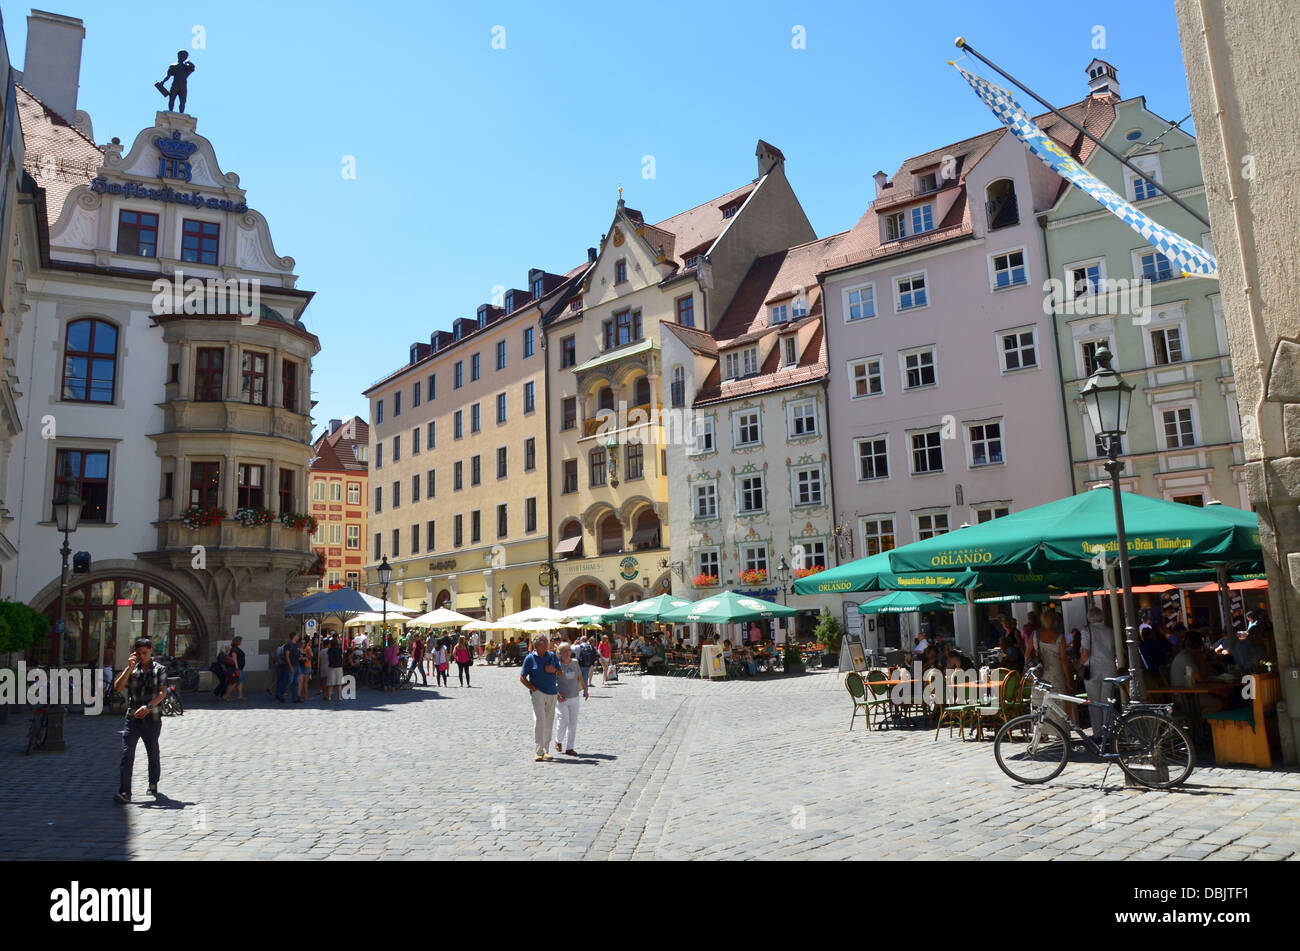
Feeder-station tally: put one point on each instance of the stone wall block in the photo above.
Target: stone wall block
(1284, 375)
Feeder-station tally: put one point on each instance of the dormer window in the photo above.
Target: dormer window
(928, 182)
(922, 219)
(742, 363)
(620, 270)
(361, 453)
(778, 313)
(693, 260)
(799, 307)
(537, 288)
(895, 227)
(1000, 205)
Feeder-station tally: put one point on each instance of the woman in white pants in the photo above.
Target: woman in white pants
(566, 706)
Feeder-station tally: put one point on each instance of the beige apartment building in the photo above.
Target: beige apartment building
(457, 500)
(609, 430)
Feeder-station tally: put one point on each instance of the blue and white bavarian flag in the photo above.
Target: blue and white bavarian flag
(1190, 258)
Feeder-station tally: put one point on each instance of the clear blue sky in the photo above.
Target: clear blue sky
(475, 164)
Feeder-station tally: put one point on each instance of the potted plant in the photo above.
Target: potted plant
(298, 522)
(829, 633)
(252, 516)
(704, 580)
(755, 576)
(793, 659)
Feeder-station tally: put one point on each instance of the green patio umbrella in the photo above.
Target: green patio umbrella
(1073, 530)
(651, 609)
(910, 602)
(726, 608)
(874, 574)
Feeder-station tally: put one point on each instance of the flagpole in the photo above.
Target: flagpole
(963, 45)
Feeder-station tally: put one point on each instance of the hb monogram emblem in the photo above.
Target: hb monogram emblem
(173, 160)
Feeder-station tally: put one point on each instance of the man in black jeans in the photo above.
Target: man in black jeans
(144, 681)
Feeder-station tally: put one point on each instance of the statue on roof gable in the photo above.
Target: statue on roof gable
(179, 73)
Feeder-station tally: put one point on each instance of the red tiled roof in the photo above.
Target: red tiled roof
(700, 225)
(697, 340)
(59, 157)
(335, 451)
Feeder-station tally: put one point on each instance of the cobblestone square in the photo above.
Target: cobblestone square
(670, 768)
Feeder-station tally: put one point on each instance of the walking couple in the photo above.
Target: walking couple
(556, 684)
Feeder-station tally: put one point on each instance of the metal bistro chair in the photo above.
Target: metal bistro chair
(864, 701)
(998, 710)
(881, 704)
(963, 709)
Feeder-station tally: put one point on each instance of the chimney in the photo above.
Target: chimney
(334, 425)
(881, 180)
(591, 255)
(1102, 79)
(52, 63)
(768, 155)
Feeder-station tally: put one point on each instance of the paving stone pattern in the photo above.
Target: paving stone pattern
(671, 769)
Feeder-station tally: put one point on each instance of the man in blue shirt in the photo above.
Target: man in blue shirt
(538, 674)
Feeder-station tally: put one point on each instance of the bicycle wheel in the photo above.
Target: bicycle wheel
(1029, 760)
(1153, 750)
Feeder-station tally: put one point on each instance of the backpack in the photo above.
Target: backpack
(586, 656)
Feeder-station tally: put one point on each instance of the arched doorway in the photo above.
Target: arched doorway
(596, 594)
(145, 607)
(442, 600)
(525, 598)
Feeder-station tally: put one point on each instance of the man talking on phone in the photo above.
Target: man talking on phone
(144, 681)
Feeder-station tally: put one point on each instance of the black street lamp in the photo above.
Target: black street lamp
(482, 603)
(385, 572)
(501, 595)
(613, 587)
(1107, 398)
(783, 576)
(67, 515)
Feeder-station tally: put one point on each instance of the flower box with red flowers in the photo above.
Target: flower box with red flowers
(200, 516)
(705, 581)
(756, 576)
(811, 570)
(298, 522)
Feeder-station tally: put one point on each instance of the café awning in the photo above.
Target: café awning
(568, 546)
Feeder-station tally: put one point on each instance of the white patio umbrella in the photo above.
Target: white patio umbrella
(361, 620)
(442, 617)
(533, 614)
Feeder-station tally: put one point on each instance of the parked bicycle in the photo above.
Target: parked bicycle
(171, 705)
(40, 730)
(1143, 738)
(188, 676)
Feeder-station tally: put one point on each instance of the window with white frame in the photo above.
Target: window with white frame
(778, 313)
(810, 553)
(753, 558)
(1140, 185)
(918, 368)
(1008, 269)
(742, 363)
(336, 534)
(985, 441)
(707, 563)
(865, 378)
(354, 493)
(1084, 278)
(318, 536)
(354, 537)
(895, 226)
(910, 292)
(790, 351)
(706, 500)
(336, 491)
(1019, 349)
(860, 302)
(929, 524)
(873, 458)
(989, 511)
(1167, 346)
(750, 494)
(927, 452)
(922, 218)
(702, 431)
(318, 490)
(1155, 267)
(749, 431)
(808, 486)
(803, 419)
(799, 306)
(877, 534)
(1179, 433)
